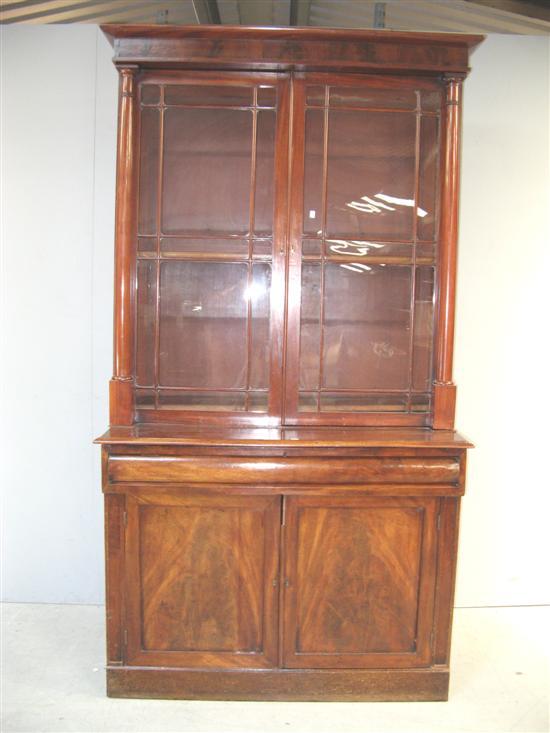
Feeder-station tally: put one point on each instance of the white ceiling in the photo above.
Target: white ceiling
(473, 16)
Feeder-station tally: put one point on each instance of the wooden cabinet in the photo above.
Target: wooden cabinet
(282, 476)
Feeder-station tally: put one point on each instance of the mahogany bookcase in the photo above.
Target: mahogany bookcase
(282, 477)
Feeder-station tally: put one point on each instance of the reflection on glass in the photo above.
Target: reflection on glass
(370, 152)
(428, 176)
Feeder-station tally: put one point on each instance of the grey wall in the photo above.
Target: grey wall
(58, 127)
(59, 137)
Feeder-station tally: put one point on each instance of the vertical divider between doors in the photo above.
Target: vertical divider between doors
(280, 249)
(295, 185)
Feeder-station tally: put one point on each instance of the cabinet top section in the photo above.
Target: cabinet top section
(289, 49)
(276, 437)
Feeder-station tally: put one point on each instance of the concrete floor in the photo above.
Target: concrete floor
(53, 681)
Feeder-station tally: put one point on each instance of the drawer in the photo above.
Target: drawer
(293, 470)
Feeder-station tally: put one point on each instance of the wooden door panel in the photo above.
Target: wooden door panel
(360, 580)
(202, 572)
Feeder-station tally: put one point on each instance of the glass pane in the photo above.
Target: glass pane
(207, 162)
(265, 151)
(376, 402)
(372, 97)
(217, 401)
(175, 245)
(313, 172)
(259, 296)
(420, 403)
(145, 324)
(147, 245)
(315, 95)
(258, 402)
(192, 94)
(427, 188)
(366, 327)
(371, 167)
(267, 96)
(203, 331)
(425, 254)
(148, 172)
(307, 402)
(312, 247)
(150, 94)
(431, 100)
(310, 328)
(262, 247)
(145, 399)
(363, 250)
(423, 328)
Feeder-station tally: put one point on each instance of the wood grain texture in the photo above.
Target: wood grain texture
(202, 576)
(121, 391)
(359, 582)
(289, 48)
(283, 470)
(325, 437)
(255, 550)
(114, 576)
(446, 572)
(444, 390)
(393, 685)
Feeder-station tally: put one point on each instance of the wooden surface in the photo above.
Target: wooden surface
(282, 478)
(280, 49)
(202, 580)
(326, 685)
(121, 397)
(359, 578)
(144, 434)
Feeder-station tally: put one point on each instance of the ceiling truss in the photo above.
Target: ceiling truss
(486, 16)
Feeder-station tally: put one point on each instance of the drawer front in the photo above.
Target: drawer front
(299, 470)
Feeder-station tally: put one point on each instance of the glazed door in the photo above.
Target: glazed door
(362, 253)
(202, 580)
(210, 250)
(359, 582)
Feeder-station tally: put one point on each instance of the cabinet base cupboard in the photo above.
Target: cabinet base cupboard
(282, 477)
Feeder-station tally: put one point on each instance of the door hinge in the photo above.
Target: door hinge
(125, 638)
(438, 522)
(125, 518)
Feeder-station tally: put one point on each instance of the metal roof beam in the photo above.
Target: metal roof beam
(535, 10)
(207, 12)
(299, 12)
